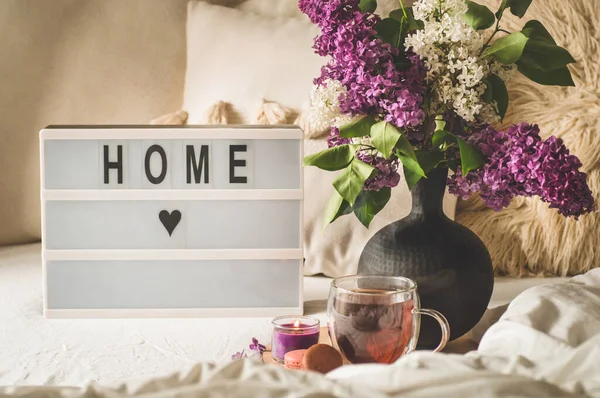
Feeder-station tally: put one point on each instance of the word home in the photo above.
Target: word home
(172, 164)
(198, 166)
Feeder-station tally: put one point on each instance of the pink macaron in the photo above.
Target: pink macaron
(293, 359)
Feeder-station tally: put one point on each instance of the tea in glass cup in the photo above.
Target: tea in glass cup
(376, 319)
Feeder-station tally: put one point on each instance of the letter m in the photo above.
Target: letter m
(197, 166)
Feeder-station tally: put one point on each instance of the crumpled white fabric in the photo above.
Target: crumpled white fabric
(551, 333)
(546, 344)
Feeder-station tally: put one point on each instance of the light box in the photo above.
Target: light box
(162, 221)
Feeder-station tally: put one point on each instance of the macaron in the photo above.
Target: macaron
(321, 358)
(293, 359)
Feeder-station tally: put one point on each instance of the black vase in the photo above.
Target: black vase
(451, 265)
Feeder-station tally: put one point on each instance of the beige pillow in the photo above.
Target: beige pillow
(243, 58)
(274, 59)
(528, 238)
(73, 61)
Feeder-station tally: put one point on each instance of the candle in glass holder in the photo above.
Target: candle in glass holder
(293, 333)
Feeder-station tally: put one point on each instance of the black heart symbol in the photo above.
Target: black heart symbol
(170, 220)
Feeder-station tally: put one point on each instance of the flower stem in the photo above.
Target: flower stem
(496, 30)
(403, 9)
(428, 133)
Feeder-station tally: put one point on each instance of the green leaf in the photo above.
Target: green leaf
(407, 24)
(411, 178)
(546, 56)
(412, 165)
(543, 61)
(541, 51)
(412, 23)
(536, 31)
(390, 31)
(453, 164)
(517, 7)
(507, 49)
(478, 16)
(369, 203)
(429, 160)
(397, 14)
(413, 171)
(332, 159)
(470, 157)
(557, 77)
(499, 94)
(368, 5)
(404, 147)
(441, 137)
(358, 128)
(384, 137)
(336, 207)
(501, 9)
(351, 181)
(487, 94)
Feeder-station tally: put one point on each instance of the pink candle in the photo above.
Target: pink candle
(293, 333)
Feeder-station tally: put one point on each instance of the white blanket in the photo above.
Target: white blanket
(37, 351)
(547, 344)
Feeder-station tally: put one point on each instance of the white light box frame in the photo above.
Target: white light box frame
(163, 221)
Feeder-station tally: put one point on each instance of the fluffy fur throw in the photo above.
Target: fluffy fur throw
(528, 238)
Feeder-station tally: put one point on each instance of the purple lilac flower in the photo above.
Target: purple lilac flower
(335, 139)
(256, 346)
(561, 183)
(387, 169)
(387, 172)
(324, 12)
(520, 163)
(365, 65)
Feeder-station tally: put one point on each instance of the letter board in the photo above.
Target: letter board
(163, 221)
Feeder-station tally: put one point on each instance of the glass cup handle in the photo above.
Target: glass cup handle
(444, 325)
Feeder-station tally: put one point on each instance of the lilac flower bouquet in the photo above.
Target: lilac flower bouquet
(422, 89)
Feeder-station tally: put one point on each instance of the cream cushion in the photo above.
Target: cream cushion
(243, 58)
(273, 58)
(73, 61)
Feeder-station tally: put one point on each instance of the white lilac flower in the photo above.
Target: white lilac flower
(425, 10)
(451, 51)
(325, 106)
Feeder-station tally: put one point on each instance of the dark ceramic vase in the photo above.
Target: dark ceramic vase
(450, 264)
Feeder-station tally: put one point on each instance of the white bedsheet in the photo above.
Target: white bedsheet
(36, 351)
(546, 344)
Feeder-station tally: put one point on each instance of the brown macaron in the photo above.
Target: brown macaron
(321, 358)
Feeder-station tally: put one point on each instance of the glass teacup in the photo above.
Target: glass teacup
(376, 319)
